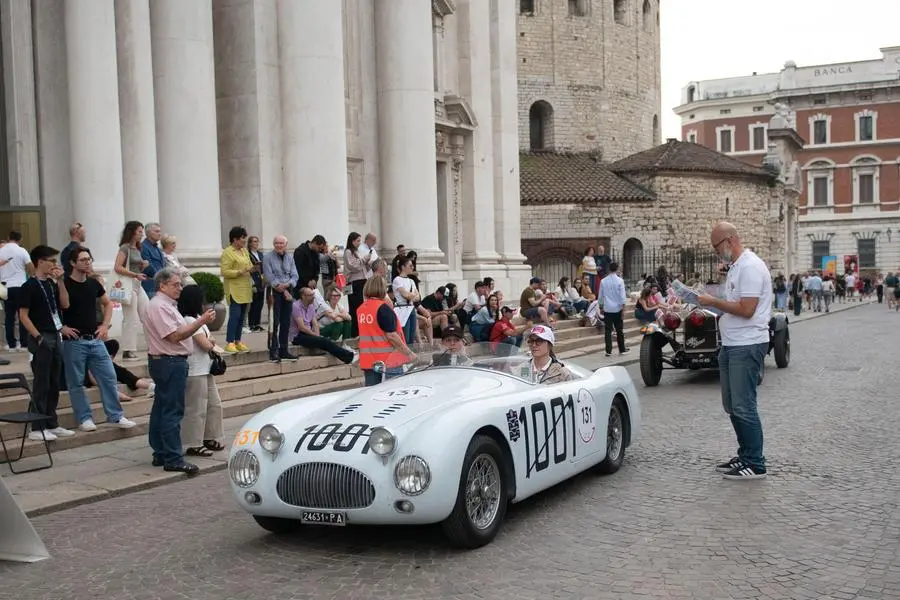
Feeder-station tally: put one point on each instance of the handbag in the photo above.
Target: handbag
(218, 365)
(117, 292)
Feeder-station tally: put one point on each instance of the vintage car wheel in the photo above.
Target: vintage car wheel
(651, 360)
(615, 439)
(781, 345)
(481, 499)
(277, 524)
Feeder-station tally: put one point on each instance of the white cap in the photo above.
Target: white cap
(543, 332)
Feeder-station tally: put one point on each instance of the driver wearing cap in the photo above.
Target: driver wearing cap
(545, 367)
(454, 350)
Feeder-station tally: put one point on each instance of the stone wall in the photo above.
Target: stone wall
(682, 217)
(600, 77)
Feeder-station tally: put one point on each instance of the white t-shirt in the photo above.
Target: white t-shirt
(322, 317)
(748, 278)
(13, 273)
(402, 307)
(471, 300)
(199, 362)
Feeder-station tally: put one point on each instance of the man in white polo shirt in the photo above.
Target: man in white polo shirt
(15, 267)
(744, 329)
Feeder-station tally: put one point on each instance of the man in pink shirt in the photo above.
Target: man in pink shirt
(169, 343)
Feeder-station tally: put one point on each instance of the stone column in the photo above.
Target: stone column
(405, 82)
(21, 111)
(314, 132)
(95, 137)
(186, 140)
(505, 128)
(473, 20)
(52, 102)
(136, 106)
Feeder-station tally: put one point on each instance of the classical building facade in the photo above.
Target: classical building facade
(589, 76)
(849, 117)
(322, 116)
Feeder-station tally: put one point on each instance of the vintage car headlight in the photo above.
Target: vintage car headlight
(244, 468)
(270, 439)
(412, 475)
(382, 441)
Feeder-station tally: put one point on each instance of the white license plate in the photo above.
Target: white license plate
(318, 517)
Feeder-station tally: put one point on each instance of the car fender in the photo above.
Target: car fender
(656, 330)
(778, 322)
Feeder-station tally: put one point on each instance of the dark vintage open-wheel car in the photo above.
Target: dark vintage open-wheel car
(694, 343)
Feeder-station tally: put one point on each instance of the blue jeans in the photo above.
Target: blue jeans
(409, 330)
(169, 373)
(739, 369)
(781, 299)
(80, 356)
(235, 325)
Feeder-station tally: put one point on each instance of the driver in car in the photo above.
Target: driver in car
(454, 352)
(545, 367)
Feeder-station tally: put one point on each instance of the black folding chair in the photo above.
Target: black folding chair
(15, 381)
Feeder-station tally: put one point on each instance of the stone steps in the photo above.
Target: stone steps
(232, 408)
(250, 385)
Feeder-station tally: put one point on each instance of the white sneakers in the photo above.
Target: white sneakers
(123, 423)
(50, 434)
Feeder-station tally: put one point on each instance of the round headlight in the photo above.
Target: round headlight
(244, 468)
(270, 439)
(412, 475)
(381, 441)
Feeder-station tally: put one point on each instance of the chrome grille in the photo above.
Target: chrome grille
(326, 486)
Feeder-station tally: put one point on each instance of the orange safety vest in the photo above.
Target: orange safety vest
(373, 344)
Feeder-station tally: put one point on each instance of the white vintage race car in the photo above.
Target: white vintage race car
(442, 443)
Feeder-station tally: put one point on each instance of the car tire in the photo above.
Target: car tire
(277, 525)
(651, 360)
(483, 454)
(615, 439)
(781, 346)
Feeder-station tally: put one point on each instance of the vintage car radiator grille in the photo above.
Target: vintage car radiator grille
(325, 486)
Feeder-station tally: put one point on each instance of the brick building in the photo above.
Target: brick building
(665, 200)
(849, 117)
(589, 76)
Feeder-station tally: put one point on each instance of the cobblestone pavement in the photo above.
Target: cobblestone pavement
(824, 525)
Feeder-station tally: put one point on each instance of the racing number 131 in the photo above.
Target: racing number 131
(539, 428)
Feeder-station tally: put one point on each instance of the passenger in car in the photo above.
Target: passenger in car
(545, 367)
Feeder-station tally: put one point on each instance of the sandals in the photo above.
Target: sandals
(199, 451)
(213, 445)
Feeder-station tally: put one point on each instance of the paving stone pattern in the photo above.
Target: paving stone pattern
(824, 525)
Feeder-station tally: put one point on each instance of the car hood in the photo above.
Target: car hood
(389, 404)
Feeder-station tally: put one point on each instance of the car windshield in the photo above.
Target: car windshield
(503, 358)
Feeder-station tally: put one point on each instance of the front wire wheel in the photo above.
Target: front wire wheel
(482, 496)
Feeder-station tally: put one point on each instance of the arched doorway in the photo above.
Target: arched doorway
(540, 122)
(632, 259)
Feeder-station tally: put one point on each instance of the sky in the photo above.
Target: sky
(709, 39)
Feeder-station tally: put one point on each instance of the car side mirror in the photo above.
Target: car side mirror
(378, 367)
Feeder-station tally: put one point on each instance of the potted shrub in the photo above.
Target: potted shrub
(213, 295)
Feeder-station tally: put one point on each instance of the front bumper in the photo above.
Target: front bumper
(432, 506)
